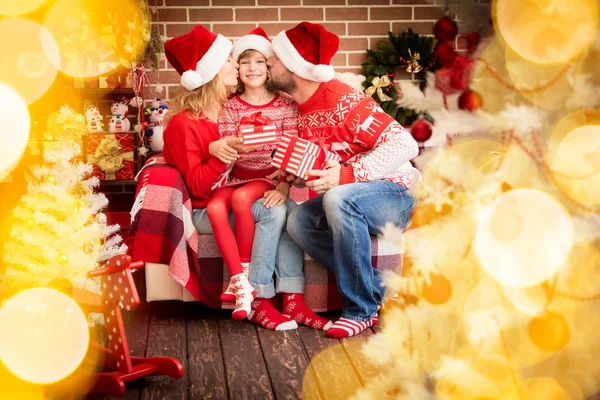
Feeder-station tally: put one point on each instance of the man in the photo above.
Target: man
(358, 196)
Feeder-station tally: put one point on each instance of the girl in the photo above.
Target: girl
(191, 139)
(250, 178)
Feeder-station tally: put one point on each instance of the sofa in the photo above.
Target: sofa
(181, 264)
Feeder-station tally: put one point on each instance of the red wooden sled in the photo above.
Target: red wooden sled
(119, 292)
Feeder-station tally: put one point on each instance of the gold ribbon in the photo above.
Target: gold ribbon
(378, 83)
(109, 156)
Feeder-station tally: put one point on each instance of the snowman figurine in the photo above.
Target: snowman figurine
(119, 121)
(156, 113)
(93, 118)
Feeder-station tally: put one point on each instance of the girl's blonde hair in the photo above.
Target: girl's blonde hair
(207, 99)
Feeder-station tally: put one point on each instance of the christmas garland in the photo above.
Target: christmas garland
(408, 50)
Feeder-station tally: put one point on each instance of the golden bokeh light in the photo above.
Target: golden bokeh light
(523, 238)
(494, 327)
(15, 122)
(549, 331)
(529, 300)
(492, 80)
(94, 38)
(576, 165)
(537, 388)
(26, 63)
(15, 8)
(43, 335)
(544, 85)
(546, 31)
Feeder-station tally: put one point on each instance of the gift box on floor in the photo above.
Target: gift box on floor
(296, 156)
(257, 130)
(111, 156)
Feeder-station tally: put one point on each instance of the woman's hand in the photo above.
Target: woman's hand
(223, 150)
(243, 148)
(277, 196)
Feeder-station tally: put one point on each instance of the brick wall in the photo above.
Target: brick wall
(361, 24)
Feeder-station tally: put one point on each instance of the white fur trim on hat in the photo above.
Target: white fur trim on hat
(209, 65)
(252, 42)
(293, 61)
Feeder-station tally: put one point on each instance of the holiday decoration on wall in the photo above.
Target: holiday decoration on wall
(407, 50)
(58, 232)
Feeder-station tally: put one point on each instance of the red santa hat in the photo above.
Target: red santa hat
(257, 39)
(307, 50)
(198, 56)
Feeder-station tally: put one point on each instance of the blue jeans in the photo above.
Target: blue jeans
(335, 230)
(273, 251)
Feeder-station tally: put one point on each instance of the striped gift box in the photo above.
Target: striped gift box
(258, 134)
(296, 156)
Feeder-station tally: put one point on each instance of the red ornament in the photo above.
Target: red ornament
(470, 101)
(472, 42)
(445, 29)
(392, 74)
(421, 130)
(461, 72)
(445, 53)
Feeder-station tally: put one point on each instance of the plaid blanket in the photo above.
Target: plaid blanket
(162, 232)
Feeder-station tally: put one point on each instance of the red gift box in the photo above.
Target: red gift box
(257, 130)
(296, 156)
(111, 156)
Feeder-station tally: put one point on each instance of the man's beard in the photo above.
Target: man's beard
(286, 85)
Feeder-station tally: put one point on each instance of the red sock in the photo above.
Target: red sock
(296, 309)
(264, 314)
(344, 328)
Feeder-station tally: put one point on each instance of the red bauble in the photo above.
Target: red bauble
(443, 78)
(421, 130)
(460, 74)
(472, 42)
(470, 101)
(445, 29)
(445, 53)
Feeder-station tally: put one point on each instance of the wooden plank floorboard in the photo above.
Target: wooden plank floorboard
(285, 360)
(166, 337)
(245, 369)
(206, 372)
(334, 374)
(353, 348)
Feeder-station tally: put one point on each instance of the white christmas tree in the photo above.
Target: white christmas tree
(59, 231)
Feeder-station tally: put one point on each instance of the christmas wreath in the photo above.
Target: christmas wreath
(409, 50)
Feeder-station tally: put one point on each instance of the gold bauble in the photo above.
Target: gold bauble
(88, 248)
(60, 216)
(50, 179)
(62, 259)
(549, 331)
(101, 218)
(438, 291)
(29, 223)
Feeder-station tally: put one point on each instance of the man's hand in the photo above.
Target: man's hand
(278, 196)
(328, 178)
(222, 150)
(238, 144)
(294, 180)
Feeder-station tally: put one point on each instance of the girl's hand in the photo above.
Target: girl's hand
(222, 150)
(244, 148)
(277, 196)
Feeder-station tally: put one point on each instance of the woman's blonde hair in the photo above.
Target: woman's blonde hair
(207, 99)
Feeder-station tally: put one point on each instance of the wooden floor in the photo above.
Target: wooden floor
(225, 359)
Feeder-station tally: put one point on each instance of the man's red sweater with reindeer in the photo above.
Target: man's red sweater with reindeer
(372, 144)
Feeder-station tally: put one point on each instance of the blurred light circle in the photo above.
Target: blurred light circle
(15, 123)
(523, 238)
(20, 7)
(539, 387)
(576, 165)
(93, 38)
(25, 62)
(43, 335)
(547, 31)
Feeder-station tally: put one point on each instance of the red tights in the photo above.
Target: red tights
(235, 248)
